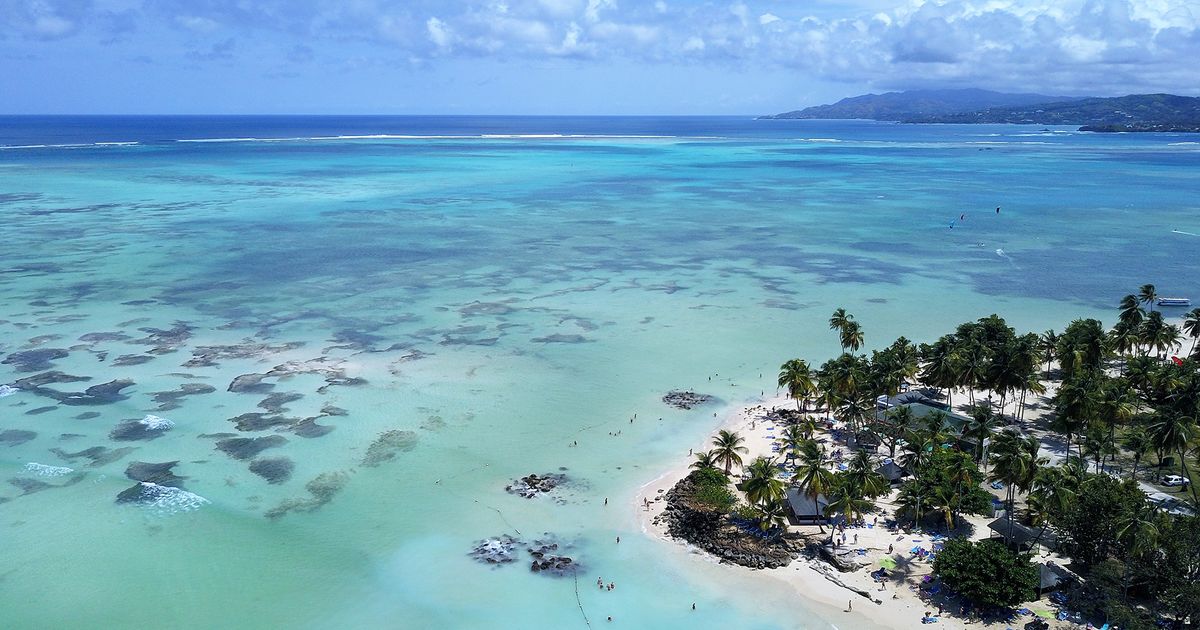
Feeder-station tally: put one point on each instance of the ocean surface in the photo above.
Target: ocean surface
(423, 309)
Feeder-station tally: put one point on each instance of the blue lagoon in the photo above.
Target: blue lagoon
(277, 372)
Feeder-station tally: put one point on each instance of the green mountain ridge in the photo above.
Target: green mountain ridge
(1135, 112)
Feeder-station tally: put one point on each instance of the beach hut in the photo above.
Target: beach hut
(803, 511)
(1050, 576)
(891, 471)
(1017, 535)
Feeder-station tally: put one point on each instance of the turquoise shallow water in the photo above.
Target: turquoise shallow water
(500, 298)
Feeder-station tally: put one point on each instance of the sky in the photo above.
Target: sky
(574, 56)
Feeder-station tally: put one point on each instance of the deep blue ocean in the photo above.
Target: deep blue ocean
(329, 343)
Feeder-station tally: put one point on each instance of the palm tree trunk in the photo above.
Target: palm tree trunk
(817, 511)
(1188, 477)
(1133, 475)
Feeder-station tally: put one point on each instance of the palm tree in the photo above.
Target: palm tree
(898, 421)
(1191, 326)
(1138, 442)
(761, 486)
(705, 460)
(728, 446)
(793, 440)
(1051, 492)
(852, 336)
(1174, 433)
(855, 409)
(771, 515)
(862, 477)
(1131, 312)
(839, 319)
(846, 502)
(1148, 294)
(796, 377)
(945, 501)
(1048, 345)
(1015, 464)
(980, 428)
(1139, 530)
(812, 475)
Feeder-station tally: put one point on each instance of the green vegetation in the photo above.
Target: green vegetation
(986, 572)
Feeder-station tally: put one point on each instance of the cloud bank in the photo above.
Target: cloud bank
(1061, 46)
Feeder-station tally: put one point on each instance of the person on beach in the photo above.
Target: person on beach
(850, 606)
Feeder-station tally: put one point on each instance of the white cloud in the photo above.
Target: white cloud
(768, 18)
(439, 34)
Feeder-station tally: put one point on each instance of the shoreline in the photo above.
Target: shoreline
(818, 595)
(899, 604)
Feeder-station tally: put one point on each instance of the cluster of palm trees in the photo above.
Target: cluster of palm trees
(1137, 331)
(850, 493)
(1151, 405)
(988, 355)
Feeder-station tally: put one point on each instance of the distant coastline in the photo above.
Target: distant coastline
(1133, 113)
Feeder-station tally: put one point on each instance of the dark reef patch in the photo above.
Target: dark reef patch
(321, 489)
(259, 421)
(275, 470)
(170, 399)
(308, 428)
(387, 445)
(40, 410)
(34, 360)
(47, 378)
(249, 448)
(99, 455)
(133, 430)
(274, 404)
(13, 437)
(131, 359)
(157, 473)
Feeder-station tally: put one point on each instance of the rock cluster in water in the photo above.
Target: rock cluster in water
(387, 445)
(545, 554)
(534, 484)
(686, 400)
(713, 532)
(499, 550)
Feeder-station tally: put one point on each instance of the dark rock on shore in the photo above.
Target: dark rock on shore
(686, 400)
(713, 532)
(532, 485)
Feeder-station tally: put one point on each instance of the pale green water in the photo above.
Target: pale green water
(658, 263)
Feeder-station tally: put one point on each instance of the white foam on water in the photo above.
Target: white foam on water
(42, 470)
(165, 500)
(7, 390)
(155, 423)
(1186, 233)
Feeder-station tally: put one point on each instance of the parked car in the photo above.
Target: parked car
(1173, 480)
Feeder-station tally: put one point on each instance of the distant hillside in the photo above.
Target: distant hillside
(913, 104)
(1137, 112)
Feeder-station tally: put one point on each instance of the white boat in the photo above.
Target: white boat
(1174, 301)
